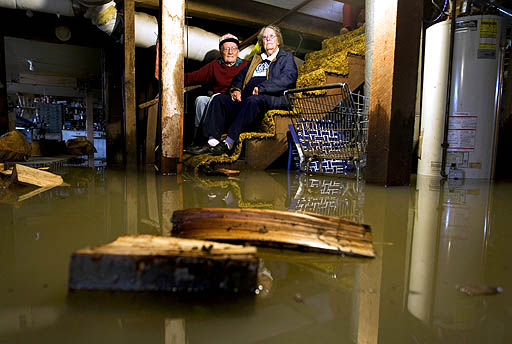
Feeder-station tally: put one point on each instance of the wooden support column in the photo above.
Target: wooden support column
(393, 91)
(172, 81)
(89, 121)
(130, 118)
(4, 115)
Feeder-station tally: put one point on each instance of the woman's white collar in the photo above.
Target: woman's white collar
(271, 57)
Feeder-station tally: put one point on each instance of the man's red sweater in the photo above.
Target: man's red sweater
(215, 74)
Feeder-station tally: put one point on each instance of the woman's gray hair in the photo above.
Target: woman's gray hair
(276, 29)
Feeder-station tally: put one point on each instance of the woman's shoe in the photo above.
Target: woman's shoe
(221, 148)
(198, 150)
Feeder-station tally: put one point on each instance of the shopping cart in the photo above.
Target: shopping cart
(329, 129)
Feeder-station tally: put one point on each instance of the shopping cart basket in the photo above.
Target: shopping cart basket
(329, 129)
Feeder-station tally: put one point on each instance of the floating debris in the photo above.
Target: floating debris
(156, 263)
(24, 175)
(14, 147)
(472, 290)
(304, 231)
(80, 146)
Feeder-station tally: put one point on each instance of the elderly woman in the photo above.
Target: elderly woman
(254, 90)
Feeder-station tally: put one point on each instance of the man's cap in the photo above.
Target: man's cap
(229, 38)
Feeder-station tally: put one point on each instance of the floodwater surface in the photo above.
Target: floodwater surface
(442, 272)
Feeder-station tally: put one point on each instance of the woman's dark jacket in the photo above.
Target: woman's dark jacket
(281, 75)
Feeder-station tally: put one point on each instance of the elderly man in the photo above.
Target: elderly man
(258, 88)
(217, 74)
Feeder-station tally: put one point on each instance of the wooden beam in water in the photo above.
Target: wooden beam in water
(155, 263)
(300, 230)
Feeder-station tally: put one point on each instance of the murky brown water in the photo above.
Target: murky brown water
(429, 241)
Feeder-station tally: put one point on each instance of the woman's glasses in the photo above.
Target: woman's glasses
(269, 37)
(233, 49)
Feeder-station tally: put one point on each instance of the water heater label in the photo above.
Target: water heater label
(462, 131)
(488, 39)
(470, 25)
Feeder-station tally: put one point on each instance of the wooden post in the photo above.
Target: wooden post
(172, 81)
(90, 123)
(4, 116)
(393, 91)
(130, 119)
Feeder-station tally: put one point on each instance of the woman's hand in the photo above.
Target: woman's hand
(255, 91)
(236, 96)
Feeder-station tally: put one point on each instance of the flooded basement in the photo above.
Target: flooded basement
(434, 243)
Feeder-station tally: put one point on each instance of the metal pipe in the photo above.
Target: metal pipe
(444, 145)
(103, 14)
(500, 8)
(369, 28)
(505, 45)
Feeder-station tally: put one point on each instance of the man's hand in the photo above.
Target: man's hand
(255, 91)
(236, 96)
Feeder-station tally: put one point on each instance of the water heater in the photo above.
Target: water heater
(474, 96)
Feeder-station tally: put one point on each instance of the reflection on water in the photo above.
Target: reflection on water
(429, 239)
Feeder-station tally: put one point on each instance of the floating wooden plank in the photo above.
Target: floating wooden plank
(219, 171)
(28, 175)
(156, 263)
(301, 230)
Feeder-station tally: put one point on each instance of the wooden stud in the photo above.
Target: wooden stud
(4, 116)
(90, 123)
(172, 79)
(393, 91)
(130, 118)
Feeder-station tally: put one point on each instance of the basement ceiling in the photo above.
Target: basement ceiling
(317, 18)
(303, 30)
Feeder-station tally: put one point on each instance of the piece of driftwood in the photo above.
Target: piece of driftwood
(25, 175)
(223, 172)
(155, 263)
(302, 230)
(28, 175)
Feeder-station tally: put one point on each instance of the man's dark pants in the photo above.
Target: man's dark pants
(236, 117)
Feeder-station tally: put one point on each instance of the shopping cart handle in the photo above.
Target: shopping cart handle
(315, 88)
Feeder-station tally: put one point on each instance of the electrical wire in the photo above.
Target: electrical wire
(441, 12)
